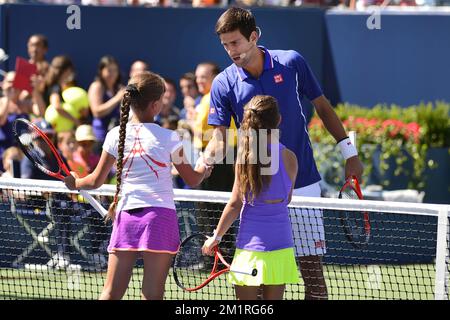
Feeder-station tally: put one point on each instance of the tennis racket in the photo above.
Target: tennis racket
(356, 224)
(43, 154)
(191, 269)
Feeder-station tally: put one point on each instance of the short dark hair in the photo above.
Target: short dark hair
(42, 38)
(190, 76)
(234, 19)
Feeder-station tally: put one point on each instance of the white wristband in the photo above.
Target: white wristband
(216, 237)
(348, 150)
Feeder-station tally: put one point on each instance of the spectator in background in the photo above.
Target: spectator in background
(206, 3)
(191, 96)
(84, 154)
(67, 145)
(10, 156)
(222, 177)
(13, 105)
(37, 46)
(60, 76)
(137, 67)
(103, 2)
(171, 122)
(76, 103)
(13, 100)
(169, 109)
(105, 94)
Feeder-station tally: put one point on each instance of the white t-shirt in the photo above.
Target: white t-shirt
(146, 176)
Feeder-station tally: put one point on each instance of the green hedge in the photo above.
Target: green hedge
(399, 133)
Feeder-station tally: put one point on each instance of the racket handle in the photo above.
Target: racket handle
(94, 203)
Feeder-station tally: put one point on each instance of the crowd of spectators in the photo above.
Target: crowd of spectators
(77, 119)
(352, 4)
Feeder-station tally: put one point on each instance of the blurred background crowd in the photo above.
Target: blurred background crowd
(77, 118)
(352, 4)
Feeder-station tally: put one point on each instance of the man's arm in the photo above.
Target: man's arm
(216, 149)
(353, 165)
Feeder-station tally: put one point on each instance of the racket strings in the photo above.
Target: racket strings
(354, 221)
(36, 147)
(349, 193)
(191, 267)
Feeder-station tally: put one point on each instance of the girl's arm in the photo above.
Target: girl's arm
(291, 165)
(98, 107)
(229, 215)
(38, 101)
(4, 101)
(192, 177)
(94, 179)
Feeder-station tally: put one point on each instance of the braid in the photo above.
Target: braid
(124, 113)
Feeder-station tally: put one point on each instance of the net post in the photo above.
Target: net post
(440, 286)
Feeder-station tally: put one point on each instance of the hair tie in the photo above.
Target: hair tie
(132, 89)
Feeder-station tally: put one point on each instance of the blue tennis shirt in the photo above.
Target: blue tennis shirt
(288, 78)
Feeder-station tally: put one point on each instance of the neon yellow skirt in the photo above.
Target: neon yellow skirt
(273, 267)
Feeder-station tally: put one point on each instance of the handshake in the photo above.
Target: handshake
(202, 166)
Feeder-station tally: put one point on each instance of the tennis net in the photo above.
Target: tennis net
(53, 245)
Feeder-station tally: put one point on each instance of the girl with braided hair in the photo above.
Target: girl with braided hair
(144, 219)
(264, 180)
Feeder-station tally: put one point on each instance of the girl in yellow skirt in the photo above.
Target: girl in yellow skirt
(261, 193)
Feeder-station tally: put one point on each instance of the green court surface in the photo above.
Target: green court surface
(344, 282)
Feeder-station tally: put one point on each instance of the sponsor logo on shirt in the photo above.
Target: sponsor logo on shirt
(278, 78)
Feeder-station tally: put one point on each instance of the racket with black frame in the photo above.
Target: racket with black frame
(356, 224)
(42, 153)
(192, 270)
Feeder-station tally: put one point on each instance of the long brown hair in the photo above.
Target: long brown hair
(105, 61)
(142, 89)
(57, 68)
(261, 112)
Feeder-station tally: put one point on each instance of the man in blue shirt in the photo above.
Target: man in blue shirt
(286, 76)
